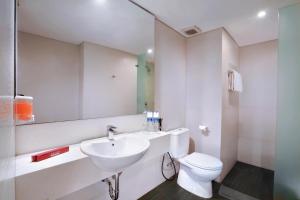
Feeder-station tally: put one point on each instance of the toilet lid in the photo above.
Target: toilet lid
(204, 161)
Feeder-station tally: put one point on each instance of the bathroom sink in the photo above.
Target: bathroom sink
(117, 154)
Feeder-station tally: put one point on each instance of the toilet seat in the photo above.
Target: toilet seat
(203, 161)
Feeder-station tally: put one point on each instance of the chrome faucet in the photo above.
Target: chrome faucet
(110, 132)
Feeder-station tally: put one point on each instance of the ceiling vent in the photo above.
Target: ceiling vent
(191, 31)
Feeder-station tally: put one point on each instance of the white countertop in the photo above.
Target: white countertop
(24, 165)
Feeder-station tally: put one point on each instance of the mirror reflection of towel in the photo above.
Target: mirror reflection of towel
(235, 82)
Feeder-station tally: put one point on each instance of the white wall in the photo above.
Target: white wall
(170, 69)
(230, 105)
(36, 137)
(68, 80)
(257, 110)
(209, 57)
(102, 94)
(48, 70)
(204, 90)
(135, 181)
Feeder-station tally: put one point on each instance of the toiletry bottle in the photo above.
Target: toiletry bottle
(149, 124)
(160, 124)
(156, 121)
(149, 121)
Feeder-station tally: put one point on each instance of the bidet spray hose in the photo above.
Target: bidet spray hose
(174, 167)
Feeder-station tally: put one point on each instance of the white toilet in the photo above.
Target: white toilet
(197, 170)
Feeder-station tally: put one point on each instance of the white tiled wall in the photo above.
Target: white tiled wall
(204, 91)
(170, 79)
(209, 57)
(230, 105)
(257, 114)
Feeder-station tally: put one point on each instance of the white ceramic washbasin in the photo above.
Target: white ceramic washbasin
(117, 154)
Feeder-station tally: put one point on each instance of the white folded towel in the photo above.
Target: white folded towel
(235, 81)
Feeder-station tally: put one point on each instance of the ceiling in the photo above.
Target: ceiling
(120, 24)
(113, 23)
(238, 17)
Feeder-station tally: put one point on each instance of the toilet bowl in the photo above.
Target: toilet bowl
(197, 170)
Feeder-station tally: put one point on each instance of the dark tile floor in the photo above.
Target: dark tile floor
(247, 179)
(253, 181)
(169, 190)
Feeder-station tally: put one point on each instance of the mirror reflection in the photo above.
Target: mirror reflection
(85, 59)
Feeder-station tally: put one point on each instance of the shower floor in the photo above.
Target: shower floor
(253, 181)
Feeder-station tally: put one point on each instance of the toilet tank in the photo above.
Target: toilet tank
(179, 144)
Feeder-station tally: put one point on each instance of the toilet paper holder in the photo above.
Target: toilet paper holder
(203, 128)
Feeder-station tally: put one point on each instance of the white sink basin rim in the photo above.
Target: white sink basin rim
(115, 155)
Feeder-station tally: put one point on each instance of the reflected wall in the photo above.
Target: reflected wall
(84, 65)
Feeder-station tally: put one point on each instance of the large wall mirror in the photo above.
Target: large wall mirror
(82, 59)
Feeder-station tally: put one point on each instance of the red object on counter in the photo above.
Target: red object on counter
(48, 154)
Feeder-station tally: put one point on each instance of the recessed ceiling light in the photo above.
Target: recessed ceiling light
(100, 1)
(149, 51)
(261, 14)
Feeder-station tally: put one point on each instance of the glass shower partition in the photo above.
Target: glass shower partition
(287, 164)
(7, 138)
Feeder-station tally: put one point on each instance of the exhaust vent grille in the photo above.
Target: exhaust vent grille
(191, 31)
